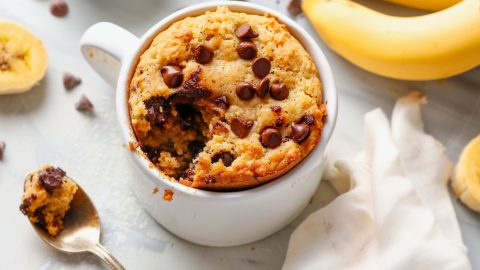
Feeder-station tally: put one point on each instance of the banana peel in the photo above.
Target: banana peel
(23, 58)
(428, 47)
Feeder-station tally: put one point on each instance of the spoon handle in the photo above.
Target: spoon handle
(106, 257)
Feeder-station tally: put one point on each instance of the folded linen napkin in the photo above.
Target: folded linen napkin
(395, 213)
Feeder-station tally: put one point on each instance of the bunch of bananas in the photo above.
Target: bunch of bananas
(427, 47)
(23, 58)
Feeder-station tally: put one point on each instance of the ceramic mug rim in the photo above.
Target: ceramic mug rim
(324, 71)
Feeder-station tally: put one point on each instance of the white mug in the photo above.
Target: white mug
(200, 216)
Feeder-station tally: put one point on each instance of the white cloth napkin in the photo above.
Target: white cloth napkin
(395, 213)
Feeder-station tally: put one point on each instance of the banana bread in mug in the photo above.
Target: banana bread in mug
(226, 101)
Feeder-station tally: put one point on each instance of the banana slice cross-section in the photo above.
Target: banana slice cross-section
(23, 58)
(466, 180)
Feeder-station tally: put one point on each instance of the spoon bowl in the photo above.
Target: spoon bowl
(81, 226)
(81, 232)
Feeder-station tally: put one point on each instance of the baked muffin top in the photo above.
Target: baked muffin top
(226, 101)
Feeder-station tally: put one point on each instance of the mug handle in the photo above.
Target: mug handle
(105, 45)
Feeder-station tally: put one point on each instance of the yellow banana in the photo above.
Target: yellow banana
(433, 46)
(432, 5)
(466, 180)
(23, 58)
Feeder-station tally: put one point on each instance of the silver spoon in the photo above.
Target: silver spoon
(81, 231)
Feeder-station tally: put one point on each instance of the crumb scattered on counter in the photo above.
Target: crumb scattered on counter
(132, 146)
(168, 195)
(155, 190)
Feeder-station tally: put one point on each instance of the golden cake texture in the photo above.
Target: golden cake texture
(46, 199)
(226, 101)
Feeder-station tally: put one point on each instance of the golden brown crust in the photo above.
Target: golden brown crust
(253, 163)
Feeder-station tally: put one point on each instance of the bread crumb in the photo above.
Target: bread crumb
(168, 195)
(132, 146)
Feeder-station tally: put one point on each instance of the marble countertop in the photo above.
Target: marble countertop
(42, 126)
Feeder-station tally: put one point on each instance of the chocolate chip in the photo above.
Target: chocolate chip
(300, 132)
(226, 158)
(51, 178)
(247, 50)
(158, 110)
(308, 119)
(279, 122)
(195, 147)
(83, 104)
(279, 91)
(245, 90)
(189, 173)
(172, 76)
(186, 115)
(276, 109)
(222, 102)
(245, 31)
(203, 54)
(38, 214)
(240, 127)
(2, 149)
(261, 67)
(25, 206)
(271, 137)
(70, 80)
(210, 179)
(191, 90)
(58, 8)
(262, 87)
(295, 7)
(152, 152)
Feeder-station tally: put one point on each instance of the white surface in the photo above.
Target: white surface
(206, 217)
(396, 211)
(42, 126)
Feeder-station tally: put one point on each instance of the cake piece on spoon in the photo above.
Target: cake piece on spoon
(46, 199)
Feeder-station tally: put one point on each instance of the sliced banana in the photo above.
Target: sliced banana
(23, 58)
(466, 180)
